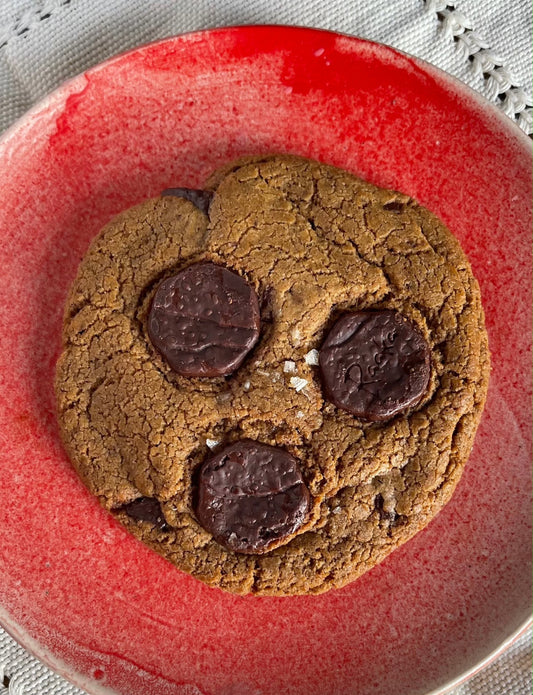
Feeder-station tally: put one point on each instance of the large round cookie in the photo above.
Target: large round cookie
(314, 242)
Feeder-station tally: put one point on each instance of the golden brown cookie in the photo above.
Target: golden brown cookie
(315, 244)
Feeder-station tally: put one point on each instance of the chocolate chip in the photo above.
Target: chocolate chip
(204, 320)
(146, 509)
(267, 311)
(375, 364)
(394, 206)
(379, 504)
(202, 199)
(251, 495)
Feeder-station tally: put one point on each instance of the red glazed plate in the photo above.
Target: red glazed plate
(76, 588)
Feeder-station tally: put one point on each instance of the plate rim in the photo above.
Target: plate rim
(57, 92)
(58, 667)
(68, 86)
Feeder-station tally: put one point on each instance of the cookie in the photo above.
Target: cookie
(288, 446)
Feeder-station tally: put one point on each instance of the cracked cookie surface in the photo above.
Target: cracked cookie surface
(313, 241)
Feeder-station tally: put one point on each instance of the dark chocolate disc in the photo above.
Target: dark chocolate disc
(375, 364)
(202, 199)
(146, 509)
(251, 495)
(204, 320)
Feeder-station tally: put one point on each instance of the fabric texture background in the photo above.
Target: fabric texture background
(485, 43)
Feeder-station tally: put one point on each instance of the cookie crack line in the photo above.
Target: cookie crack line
(371, 486)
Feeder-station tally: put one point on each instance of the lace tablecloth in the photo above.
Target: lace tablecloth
(485, 43)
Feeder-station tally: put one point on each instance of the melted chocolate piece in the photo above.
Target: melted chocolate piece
(379, 504)
(251, 495)
(375, 364)
(146, 509)
(204, 320)
(202, 199)
(395, 206)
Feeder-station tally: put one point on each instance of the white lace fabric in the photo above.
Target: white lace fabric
(485, 43)
(488, 70)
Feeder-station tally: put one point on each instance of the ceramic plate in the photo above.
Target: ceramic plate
(76, 588)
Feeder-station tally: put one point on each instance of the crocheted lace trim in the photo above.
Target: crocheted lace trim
(499, 83)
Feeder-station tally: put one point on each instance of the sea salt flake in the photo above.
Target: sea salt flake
(300, 414)
(337, 510)
(312, 358)
(212, 443)
(297, 383)
(296, 335)
(289, 367)
(262, 372)
(246, 386)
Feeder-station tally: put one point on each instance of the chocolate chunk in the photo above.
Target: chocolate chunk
(204, 320)
(394, 206)
(379, 504)
(267, 311)
(251, 495)
(202, 199)
(375, 364)
(146, 509)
